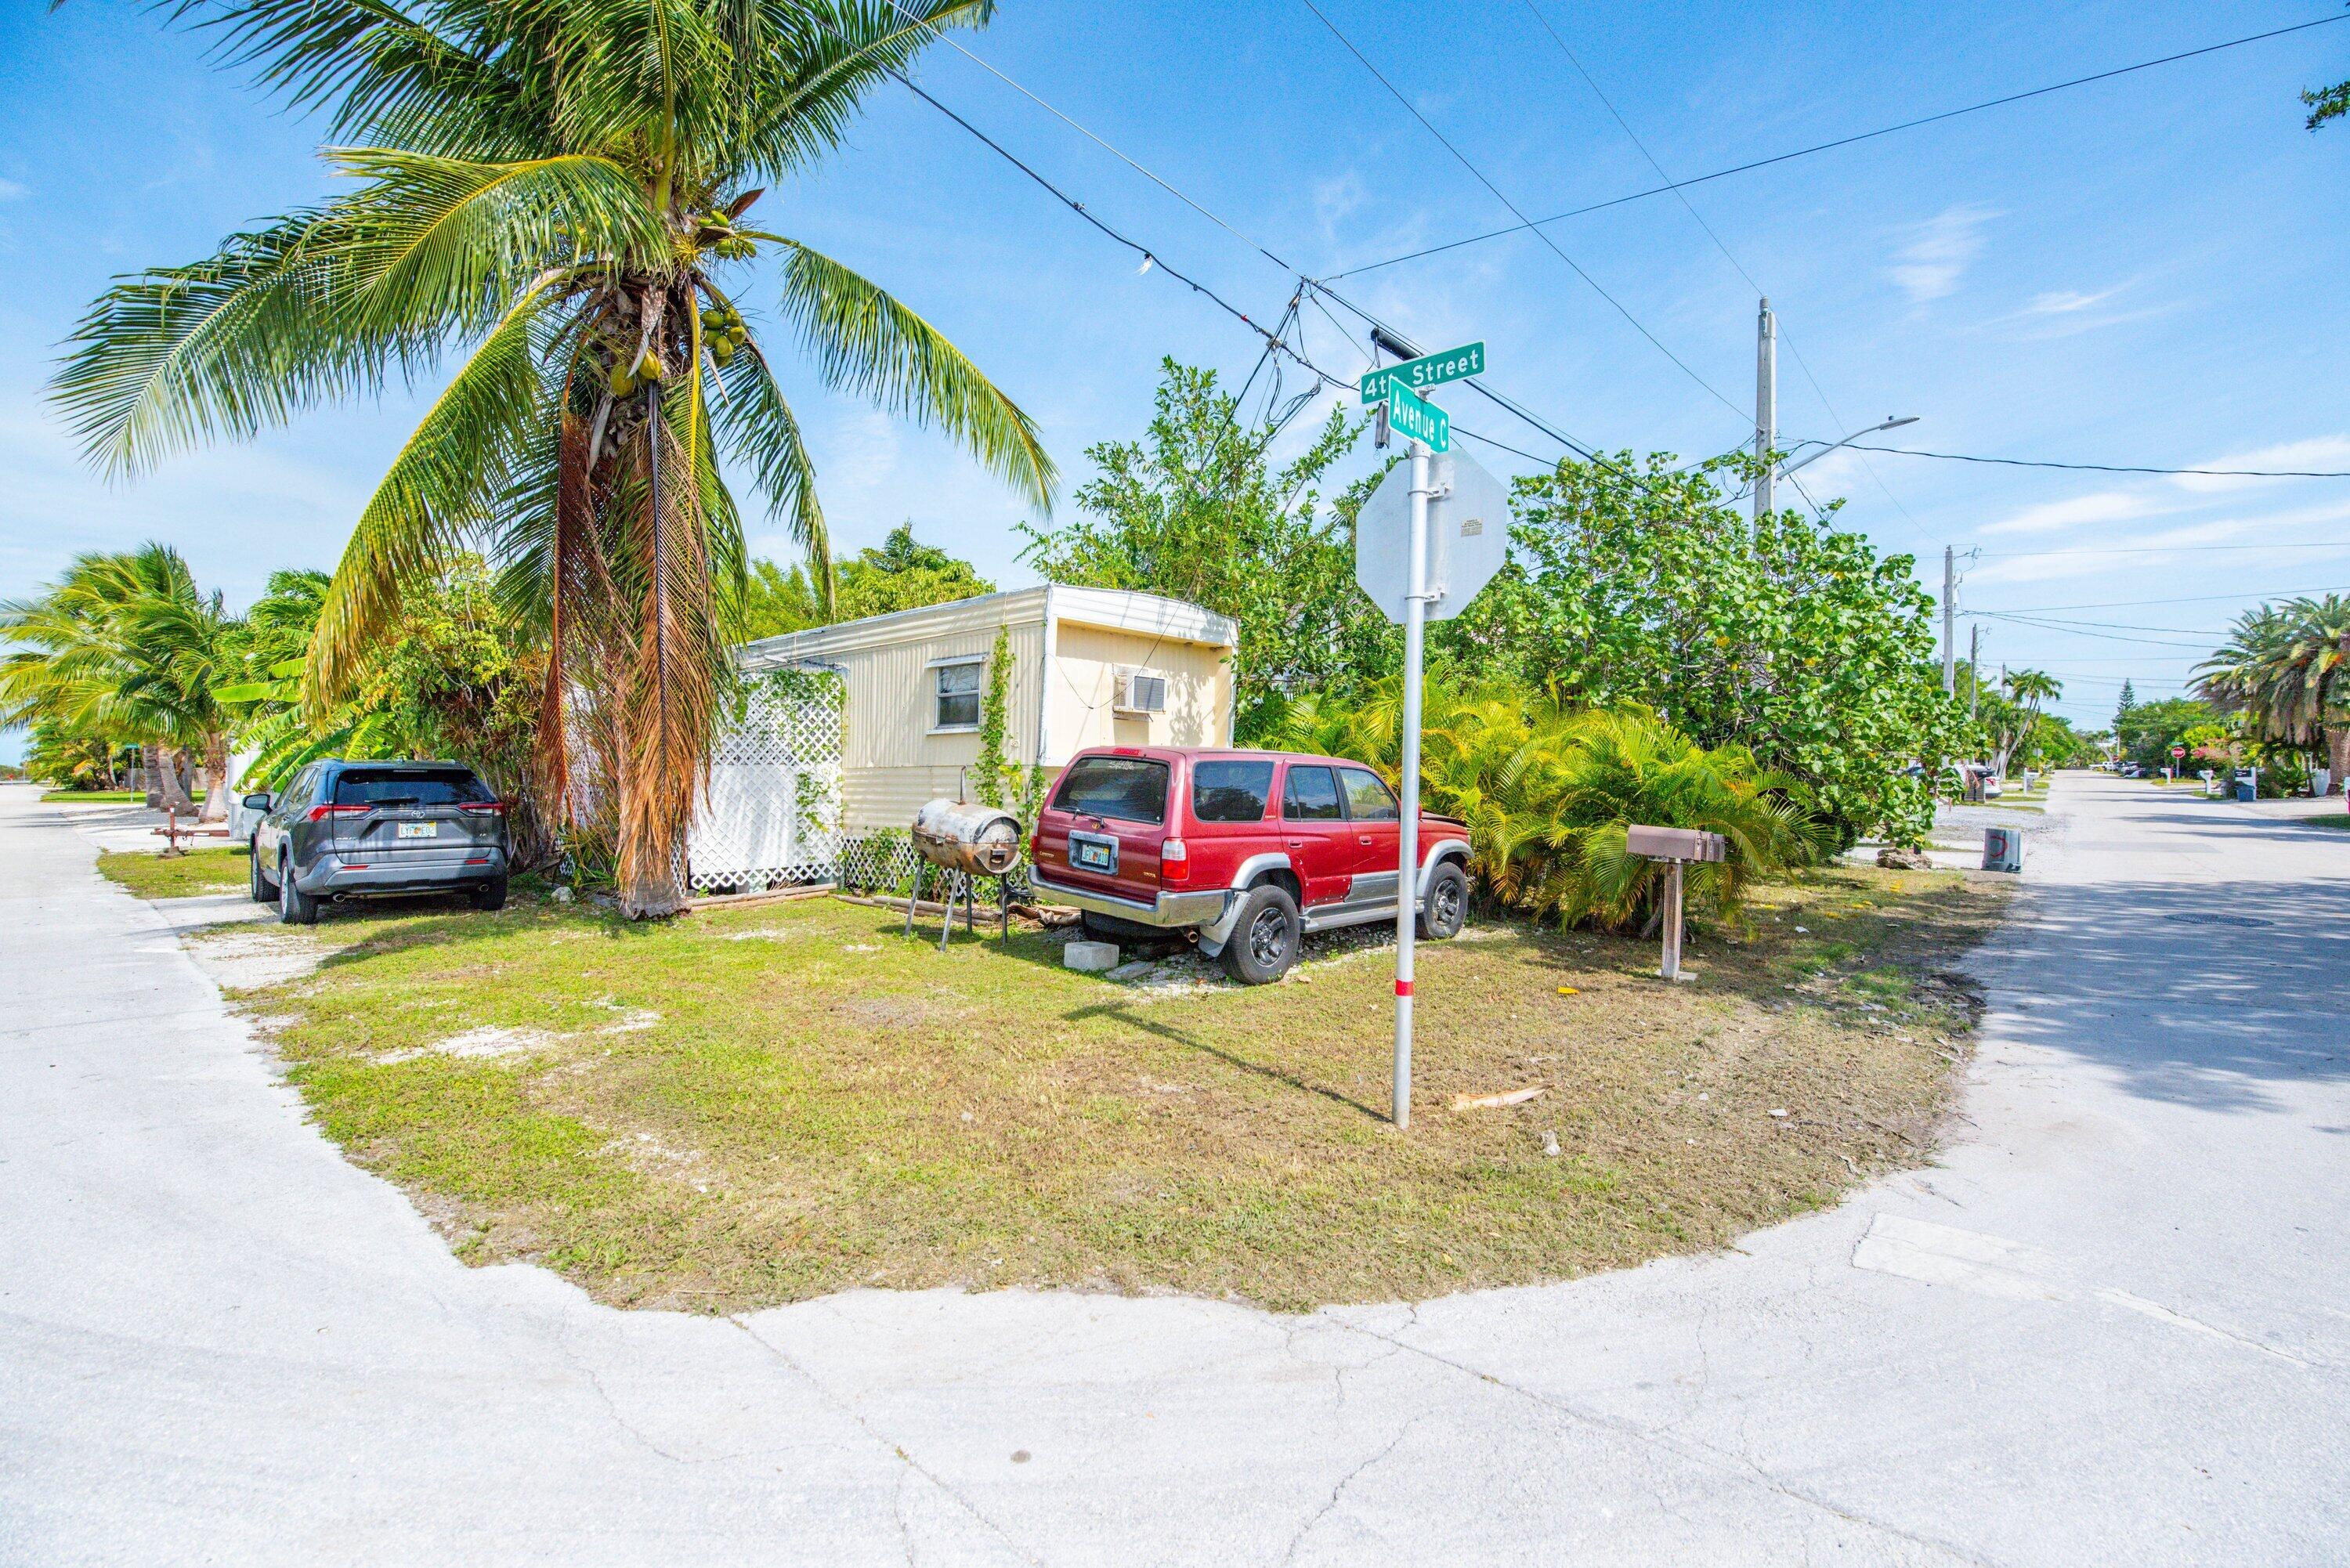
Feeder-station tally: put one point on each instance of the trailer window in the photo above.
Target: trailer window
(1131, 789)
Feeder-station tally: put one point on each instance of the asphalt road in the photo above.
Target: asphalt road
(2111, 1323)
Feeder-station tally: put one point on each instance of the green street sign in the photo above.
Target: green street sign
(1419, 419)
(1428, 371)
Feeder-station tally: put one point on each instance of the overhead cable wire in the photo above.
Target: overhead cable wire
(1463, 160)
(2115, 467)
(2190, 599)
(1538, 224)
(1274, 344)
(1690, 207)
(986, 66)
(2169, 549)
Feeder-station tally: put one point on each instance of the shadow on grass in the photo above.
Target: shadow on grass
(1126, 1013)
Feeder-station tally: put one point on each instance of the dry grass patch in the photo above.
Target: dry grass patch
(675, 1117)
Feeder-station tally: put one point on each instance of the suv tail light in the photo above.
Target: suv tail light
(1174, 860)
(492, 807)
(320, 813)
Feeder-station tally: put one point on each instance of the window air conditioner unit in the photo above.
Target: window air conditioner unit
(1139, 691)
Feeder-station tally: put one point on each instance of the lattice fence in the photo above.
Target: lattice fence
(772, 816)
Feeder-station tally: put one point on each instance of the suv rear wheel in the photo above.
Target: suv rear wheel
(1265, 936)
(295, 908)
(491, 895)
(1446, 909)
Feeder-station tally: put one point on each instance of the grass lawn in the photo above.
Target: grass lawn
(770, 1102)
(94, 797)
(218, 868)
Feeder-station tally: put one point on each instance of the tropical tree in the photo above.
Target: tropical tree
(2282, 670)
(560, 193)
(1195, 510)
(1635, 582)
(2016, 721)
(125, 648)
(1548, 789)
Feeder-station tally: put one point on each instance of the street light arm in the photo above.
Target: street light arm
(1887, 425)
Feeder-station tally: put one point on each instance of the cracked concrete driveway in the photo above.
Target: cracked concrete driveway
(2109, 1324)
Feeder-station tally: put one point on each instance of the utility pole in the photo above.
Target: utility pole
(1974, 670)
(1766, 404)
(1950, 628)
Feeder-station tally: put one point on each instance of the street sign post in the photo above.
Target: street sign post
(1417, 419)
(1430, 537)
(1428, 371)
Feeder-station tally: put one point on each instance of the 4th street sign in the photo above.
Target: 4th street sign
(1428, 371)
(1419, 419)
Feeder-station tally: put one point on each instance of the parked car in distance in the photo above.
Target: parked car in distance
(1249, 851)
(365, 830)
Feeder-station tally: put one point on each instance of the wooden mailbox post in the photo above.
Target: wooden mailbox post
(1676, 846)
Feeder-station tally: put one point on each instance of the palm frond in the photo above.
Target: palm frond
(864, 342)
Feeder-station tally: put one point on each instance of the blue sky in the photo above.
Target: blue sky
(2143, 271)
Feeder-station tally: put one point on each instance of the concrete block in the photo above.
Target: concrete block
(1090, 957)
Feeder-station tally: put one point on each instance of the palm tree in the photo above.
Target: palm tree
(126, 646)
(1547, 791)
(559, 189)
(2028, 689)
(2281, 668)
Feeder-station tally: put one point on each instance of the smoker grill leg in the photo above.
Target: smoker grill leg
(915, 899)
(946, 915)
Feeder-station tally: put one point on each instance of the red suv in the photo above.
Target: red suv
(1250, 850)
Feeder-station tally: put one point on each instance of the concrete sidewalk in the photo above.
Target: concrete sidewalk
(2111, 1324)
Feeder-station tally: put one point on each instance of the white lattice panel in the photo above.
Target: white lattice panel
(772, 815)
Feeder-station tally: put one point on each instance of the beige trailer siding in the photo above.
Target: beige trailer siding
(1067, 645)
(1084, 690)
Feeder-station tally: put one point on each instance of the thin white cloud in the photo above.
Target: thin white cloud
(13, 191)
(2315, 452)
(2066, 301)
(1939, 251)
(2080, 511)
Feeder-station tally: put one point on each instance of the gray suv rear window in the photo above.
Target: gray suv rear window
(1131, 789)
(386, 786)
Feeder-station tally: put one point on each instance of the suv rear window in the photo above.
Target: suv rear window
(1131, 789)
(1230, 791)
(389, 786)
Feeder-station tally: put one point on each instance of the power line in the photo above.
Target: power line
(2190, 599)
(2115, 467)
(1479, 174)
(1690, 207)
(1841, 142)
(1273, 343)
(2169, 549)
(2063, 629)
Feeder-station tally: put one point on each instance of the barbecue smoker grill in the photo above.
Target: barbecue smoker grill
(975, 840)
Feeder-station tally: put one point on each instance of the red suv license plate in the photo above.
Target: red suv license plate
(1087, 853)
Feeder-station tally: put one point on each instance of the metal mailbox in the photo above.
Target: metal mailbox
(1676, 844)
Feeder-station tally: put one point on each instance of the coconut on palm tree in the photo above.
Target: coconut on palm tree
(561, 195)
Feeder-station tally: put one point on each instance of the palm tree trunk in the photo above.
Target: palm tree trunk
(171, 794)
(215, 778)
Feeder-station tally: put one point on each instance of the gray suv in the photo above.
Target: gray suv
(362, 830)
